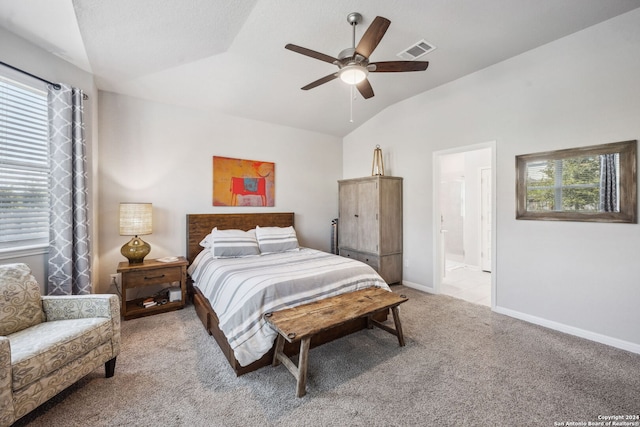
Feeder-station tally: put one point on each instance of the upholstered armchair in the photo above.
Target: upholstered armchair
(48, 343)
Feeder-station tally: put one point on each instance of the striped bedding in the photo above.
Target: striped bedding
(241, 290)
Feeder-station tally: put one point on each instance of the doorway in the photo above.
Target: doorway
(464, 204)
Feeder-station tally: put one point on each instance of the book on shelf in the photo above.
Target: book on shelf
(148, 302)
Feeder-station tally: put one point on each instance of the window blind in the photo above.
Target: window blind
(24, 166)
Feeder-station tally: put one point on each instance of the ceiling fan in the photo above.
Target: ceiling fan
(353, 62)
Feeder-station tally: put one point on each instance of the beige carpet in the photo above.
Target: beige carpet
(462, 366)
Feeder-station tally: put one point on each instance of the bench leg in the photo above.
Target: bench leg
(278, 350)
(396, 320)
(302, 367)
(300, 371)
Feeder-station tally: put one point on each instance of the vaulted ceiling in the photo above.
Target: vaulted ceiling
(229, 56)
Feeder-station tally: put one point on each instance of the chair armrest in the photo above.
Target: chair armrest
(64, 307)
(6, 392)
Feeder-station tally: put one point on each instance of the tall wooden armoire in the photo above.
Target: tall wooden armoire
(370, 223)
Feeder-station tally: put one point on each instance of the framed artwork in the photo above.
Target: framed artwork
(240, 182)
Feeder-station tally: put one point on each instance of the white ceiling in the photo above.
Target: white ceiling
(229, 56)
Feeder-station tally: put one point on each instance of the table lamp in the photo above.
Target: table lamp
(135, 219)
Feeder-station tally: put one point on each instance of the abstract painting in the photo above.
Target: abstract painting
(239, 182)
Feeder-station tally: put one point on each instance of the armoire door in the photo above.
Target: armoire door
(348, 215)
(368, 228)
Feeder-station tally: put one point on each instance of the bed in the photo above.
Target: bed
(199, 226)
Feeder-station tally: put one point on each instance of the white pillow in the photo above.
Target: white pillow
(277, 239)
(206, 242)
(234, 243)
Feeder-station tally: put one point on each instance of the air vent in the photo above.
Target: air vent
(417, 50)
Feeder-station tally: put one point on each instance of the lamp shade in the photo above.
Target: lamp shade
(136, 219)
(353, 74)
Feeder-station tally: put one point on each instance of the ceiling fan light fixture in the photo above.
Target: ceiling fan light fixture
(353, 74)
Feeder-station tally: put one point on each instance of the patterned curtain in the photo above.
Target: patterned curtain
(608, 183)
(69, 253)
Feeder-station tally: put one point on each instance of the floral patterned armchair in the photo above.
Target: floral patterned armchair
(49, 342)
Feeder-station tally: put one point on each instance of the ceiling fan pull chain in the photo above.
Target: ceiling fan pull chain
(351, 96)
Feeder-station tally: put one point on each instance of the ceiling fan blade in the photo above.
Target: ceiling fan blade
(365, 89)
(398, 66)
(372, 36)
(311, 53)
(321, 81)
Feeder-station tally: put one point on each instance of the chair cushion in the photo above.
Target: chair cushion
(41, 349)
(20, 305)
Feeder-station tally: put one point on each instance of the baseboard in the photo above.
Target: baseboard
(571, 330)
(561, 327)
(419, 287)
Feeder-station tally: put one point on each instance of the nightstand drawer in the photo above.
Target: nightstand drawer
(154, 277)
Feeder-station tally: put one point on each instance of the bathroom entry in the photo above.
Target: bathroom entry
(463, 201)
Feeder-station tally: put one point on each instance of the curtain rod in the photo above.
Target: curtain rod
(56, 86)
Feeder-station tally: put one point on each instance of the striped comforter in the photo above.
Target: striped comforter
(241, 290)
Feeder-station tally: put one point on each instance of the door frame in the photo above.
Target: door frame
(439, 255)
(483, 223)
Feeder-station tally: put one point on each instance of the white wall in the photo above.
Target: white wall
(28, 57)
(582, 278)
(151, 152)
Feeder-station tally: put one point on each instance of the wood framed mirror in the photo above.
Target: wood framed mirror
(595, 183)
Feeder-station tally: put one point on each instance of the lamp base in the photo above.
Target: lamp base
(135, 250)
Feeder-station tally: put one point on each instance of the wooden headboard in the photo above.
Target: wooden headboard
(199, 225)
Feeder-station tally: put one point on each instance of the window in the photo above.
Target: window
(24, 166)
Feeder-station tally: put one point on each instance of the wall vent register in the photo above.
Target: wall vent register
(417, 50)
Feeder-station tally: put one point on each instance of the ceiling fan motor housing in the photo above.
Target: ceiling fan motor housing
(347, 53)
(349, 56)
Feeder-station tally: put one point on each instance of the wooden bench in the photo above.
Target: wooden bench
(301, 323)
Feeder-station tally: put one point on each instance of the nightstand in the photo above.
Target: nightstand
(151, 272)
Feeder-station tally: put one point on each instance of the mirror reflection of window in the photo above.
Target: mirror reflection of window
(595, 183)
(579, 184)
